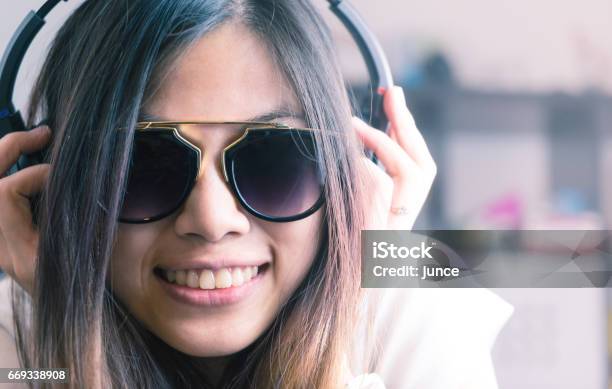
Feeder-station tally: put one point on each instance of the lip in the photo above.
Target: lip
(212, 297)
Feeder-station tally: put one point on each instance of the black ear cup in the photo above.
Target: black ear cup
(28, 160)
(10, 122)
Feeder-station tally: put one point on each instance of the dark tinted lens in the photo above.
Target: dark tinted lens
(161, 173)
(277, 173)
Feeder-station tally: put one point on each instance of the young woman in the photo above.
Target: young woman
(150, 290)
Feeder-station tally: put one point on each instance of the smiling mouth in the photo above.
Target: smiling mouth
(208, 279)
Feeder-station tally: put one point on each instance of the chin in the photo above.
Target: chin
(209, 347)
(201, 343)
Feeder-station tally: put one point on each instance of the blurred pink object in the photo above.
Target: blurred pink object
(504, 212)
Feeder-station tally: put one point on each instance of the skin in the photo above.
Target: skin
(211, 82)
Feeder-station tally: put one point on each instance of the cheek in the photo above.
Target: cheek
(127, 265)
(297, 244)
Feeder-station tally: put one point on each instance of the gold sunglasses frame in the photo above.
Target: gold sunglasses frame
(249, 126)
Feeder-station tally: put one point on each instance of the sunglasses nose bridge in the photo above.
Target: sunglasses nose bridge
(206, 160)
(205, 156)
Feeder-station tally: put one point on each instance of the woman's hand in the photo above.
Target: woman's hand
(18, 238)
(396, 195)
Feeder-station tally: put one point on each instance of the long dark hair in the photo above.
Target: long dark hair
(105, 60)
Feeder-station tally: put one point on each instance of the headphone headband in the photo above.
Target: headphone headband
(376, 62)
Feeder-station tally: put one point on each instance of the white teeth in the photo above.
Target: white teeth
(181, 277)
(237, 277)
(208, 279)
(193, 279)
(171, 275)
(223, 278)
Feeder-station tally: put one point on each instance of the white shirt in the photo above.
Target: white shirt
(427, 338)
(432, 338)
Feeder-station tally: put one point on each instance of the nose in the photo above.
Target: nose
(211, 211)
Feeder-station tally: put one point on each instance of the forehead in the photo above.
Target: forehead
(228, 74)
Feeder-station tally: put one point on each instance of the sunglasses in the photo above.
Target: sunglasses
(272, 169)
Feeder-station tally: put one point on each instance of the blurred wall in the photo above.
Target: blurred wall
(528, 45)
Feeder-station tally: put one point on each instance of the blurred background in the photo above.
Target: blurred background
(513, 98)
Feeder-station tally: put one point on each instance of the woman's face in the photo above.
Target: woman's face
(228, 75)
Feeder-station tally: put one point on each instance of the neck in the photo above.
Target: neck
(214, 367)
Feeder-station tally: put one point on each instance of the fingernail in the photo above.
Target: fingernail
(42, 129)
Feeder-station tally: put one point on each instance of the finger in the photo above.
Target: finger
(25, 183)
(16, 228)
(395, 160)
(409, 196)
(25, 279)
(377, 178)
(16, 143)
(407, 202)
(411, 183)
(378, 200)
(404, 128)
(15, 192)
(392, 134)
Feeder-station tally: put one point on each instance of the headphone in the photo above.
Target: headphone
(11, 120)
